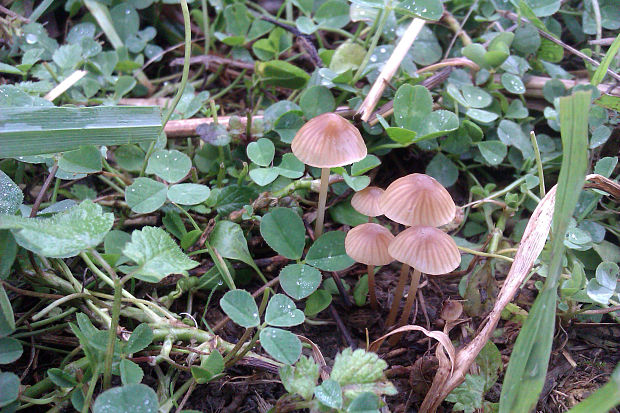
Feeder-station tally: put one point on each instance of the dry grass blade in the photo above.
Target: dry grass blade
(532, 243)
(317, 356)
(63, 86)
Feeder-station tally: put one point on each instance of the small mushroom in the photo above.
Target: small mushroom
(327, 141)
(415, 199)
(366, 201)
(368, 244)
(427, 250)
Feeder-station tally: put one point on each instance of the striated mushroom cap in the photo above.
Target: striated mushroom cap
(368, 244)
(366, 201)
(327, 141)
(417, 199)
(427, 249)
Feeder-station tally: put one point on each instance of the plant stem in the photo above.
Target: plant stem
(91, 390)
(320, 217)
(404, 317)
(398, 295)
(372, 294)
(109, 355)
(539, 166)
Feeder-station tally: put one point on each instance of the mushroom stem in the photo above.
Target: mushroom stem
(398, 295)
(404, 317)
(320, 217)
(372, 295)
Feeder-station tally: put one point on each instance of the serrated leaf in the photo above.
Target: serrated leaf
(282, 312)
(171, 166)
(282, 345)
(131, 398)
(63, 235)
(145, 195)
(240, 306)
(11, 196)
(301, 378)
(299, 280)
(284, 231)
(156, 255)
(328, 254)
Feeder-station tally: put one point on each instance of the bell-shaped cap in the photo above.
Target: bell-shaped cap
(427, 249)
(368, 244)
(417, 199)
(366, 201)
(327, 141)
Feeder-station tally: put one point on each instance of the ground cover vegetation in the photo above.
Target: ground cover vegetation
(309, 205)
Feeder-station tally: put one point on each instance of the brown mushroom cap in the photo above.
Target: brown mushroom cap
(327, 141)
(366, 201)
(368, 244)
(427, 249)
(417, 199)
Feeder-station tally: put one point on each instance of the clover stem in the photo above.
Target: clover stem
(372, 295)
(404, 317)
(109, 356)
(320, 218)
(398, 295)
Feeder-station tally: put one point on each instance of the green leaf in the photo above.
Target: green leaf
(347, 57)
(8, 253)
(228, 239)
(284, 231)
(317, 302)
(261, 152)
(316, 100)
(360, 291)
(412, 104)
(328, 254)
(290, 167)
(513, 83)
(131, 398)
(11, 196)
(329, 394)
(490, 362)
(603, 287)
(237, 19)
(210, 367)
(470, 96)
(605, 166)
(216, 135)
(264, 176)
(356, 183)
(145, 195)
(61, 378)
(65, 234)
(333, 14)
(468, 395)
(85, 160)
(282, 345)
(424, 9)
(156, 255)
(5, 68)
(233, 197)
(365, 165)
(129, 157)
(7, 320)
(366, 402)
(240, 306)
(493, 152)
(287, 126)
(188, 194)
(299, 280)
(482, 116)
(357, 366)
(281, 73)
(171, 166)
(526, 372)
(601, 71)
(9, 383)
(602, 400)
(511, 134)
(10, 350)
(141, 337)
(282, 312)
(345, 214)
(39, 130)
(443, 169)
(131, 373)
(301, 378)
(544, 8)
(516, 110)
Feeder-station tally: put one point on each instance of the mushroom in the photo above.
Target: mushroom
(327, 141)
(366, 201)
(368, 244)
(415, 199)
(428, 250)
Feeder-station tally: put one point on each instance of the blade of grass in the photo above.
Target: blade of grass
(604, 399)
(601, 71)
(40, 130)
(528, 364)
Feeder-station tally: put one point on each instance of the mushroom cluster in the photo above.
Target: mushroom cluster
(421, 203)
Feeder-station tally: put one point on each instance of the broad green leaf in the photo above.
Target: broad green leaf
(171, 166)
(300, 379)
(287, 126)
(365, 165)
(490, 362)
(188, 194)
(284, 231)
(145, 195)
(513, 83)
(438, 123)
(601, 71)
(7, 320)
(210, 367)
(264, 176)
(348, 56)
(316, 100)
(426, 48)
(544, 8)
(282, 345)
(605, 166)
(34, 131)
(11, 350)
(305, 25)
(11, 195)
(131, 398)
(366, 402)
(8, 252)
(412, 104)
(85, 160)
(282, 312)
(356, 183)
(141, 337)
(61, 378)
(129, 157)
(240, 306)
(5, 68)
(526, 372)
(424, 9)
(527, 39)
(603, 287)
(234, 197)
(333, 14)
(317, 302)
(216, 135)
(299, 280)
(228, 239)
(360, 291)
(357, 366)
(517, 110)
(65, 234)
(493, 152)
(329, 393)
(156, 255)
(482, 116)
(237, 19)
(470, 96)
(281, 73)
(9, 383)
(131, 373)
(328, 254)
(511, 134)
(261, 152)
(468, 395)
(443, 169)
(290, 167)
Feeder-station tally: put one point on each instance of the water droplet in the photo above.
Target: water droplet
(31, 38)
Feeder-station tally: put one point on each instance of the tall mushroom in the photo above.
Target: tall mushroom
(415, 199)
(427, 250)
(327, 141)
(368, 244)
(366, 202)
